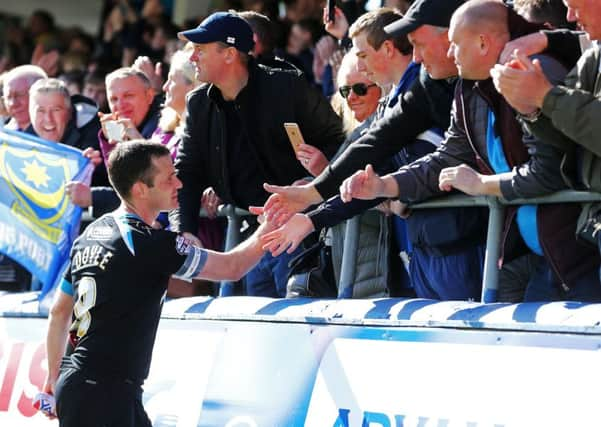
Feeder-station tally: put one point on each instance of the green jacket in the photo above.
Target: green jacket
(572, 114)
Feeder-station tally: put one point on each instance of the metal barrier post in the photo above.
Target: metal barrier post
(232, 238)
(349, 258)
(490, 281)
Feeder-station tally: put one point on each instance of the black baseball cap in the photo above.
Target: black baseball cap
(225, 27)
(424, 12)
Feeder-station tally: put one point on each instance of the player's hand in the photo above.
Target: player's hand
(289, 236)
(288, 200)
(463, 178)
(79, 193)
(48, 388)
(363, 184)
(311, 158)
(210, 201)
(530, 44)
(192, 239)
(339, 27)
(266, 226)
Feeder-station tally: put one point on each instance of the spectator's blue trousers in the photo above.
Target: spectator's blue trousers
(270, 275)
(450, 277)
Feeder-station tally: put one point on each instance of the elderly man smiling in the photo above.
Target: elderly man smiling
(71, 120)
(15, 92)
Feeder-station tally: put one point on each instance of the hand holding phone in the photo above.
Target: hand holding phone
(331, 10)
(113, 130)
(294, 135)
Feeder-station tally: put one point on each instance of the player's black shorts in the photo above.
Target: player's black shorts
(88, 401)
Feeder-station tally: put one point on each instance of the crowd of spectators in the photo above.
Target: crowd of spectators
(396, 105)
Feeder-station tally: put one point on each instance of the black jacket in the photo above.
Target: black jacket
(82, 132)
(271, 98)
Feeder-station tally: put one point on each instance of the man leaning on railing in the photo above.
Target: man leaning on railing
(565, 116)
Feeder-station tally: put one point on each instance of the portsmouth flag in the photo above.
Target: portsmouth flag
(38, 222)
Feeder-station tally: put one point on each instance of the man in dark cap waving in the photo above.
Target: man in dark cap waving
(234, 137)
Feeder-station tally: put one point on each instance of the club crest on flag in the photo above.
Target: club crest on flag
(38, 183)
(38, 222)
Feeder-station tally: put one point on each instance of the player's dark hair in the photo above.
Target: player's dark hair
(131, 161)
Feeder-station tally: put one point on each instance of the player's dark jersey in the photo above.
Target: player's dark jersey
(119, 270)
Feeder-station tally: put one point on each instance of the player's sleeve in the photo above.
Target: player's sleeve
(186, 260)
(66, 284)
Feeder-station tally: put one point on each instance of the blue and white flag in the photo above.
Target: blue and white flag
(38, 222)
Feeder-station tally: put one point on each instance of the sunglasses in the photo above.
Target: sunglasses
(360, 89)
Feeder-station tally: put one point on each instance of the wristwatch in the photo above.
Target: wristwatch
(533, 116)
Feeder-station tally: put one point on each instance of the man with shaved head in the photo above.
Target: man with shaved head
(477, 34)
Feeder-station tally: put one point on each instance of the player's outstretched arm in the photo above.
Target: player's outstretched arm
(289, 236)
(234, 264)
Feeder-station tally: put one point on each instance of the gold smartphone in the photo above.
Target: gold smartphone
(294, 135)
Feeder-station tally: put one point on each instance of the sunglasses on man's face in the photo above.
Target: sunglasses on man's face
(360, 89)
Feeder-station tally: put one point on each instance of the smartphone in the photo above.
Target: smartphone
(113, 130)
(331, 9)
(294, 135)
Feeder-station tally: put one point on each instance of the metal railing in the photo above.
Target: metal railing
(496, 208)
(232, 238)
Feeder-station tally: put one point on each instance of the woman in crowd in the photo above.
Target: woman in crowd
(180, 80)
(358, 100)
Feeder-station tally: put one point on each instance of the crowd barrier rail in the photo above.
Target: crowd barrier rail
(496, 207)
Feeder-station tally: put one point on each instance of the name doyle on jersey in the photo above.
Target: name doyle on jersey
(90, 256)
